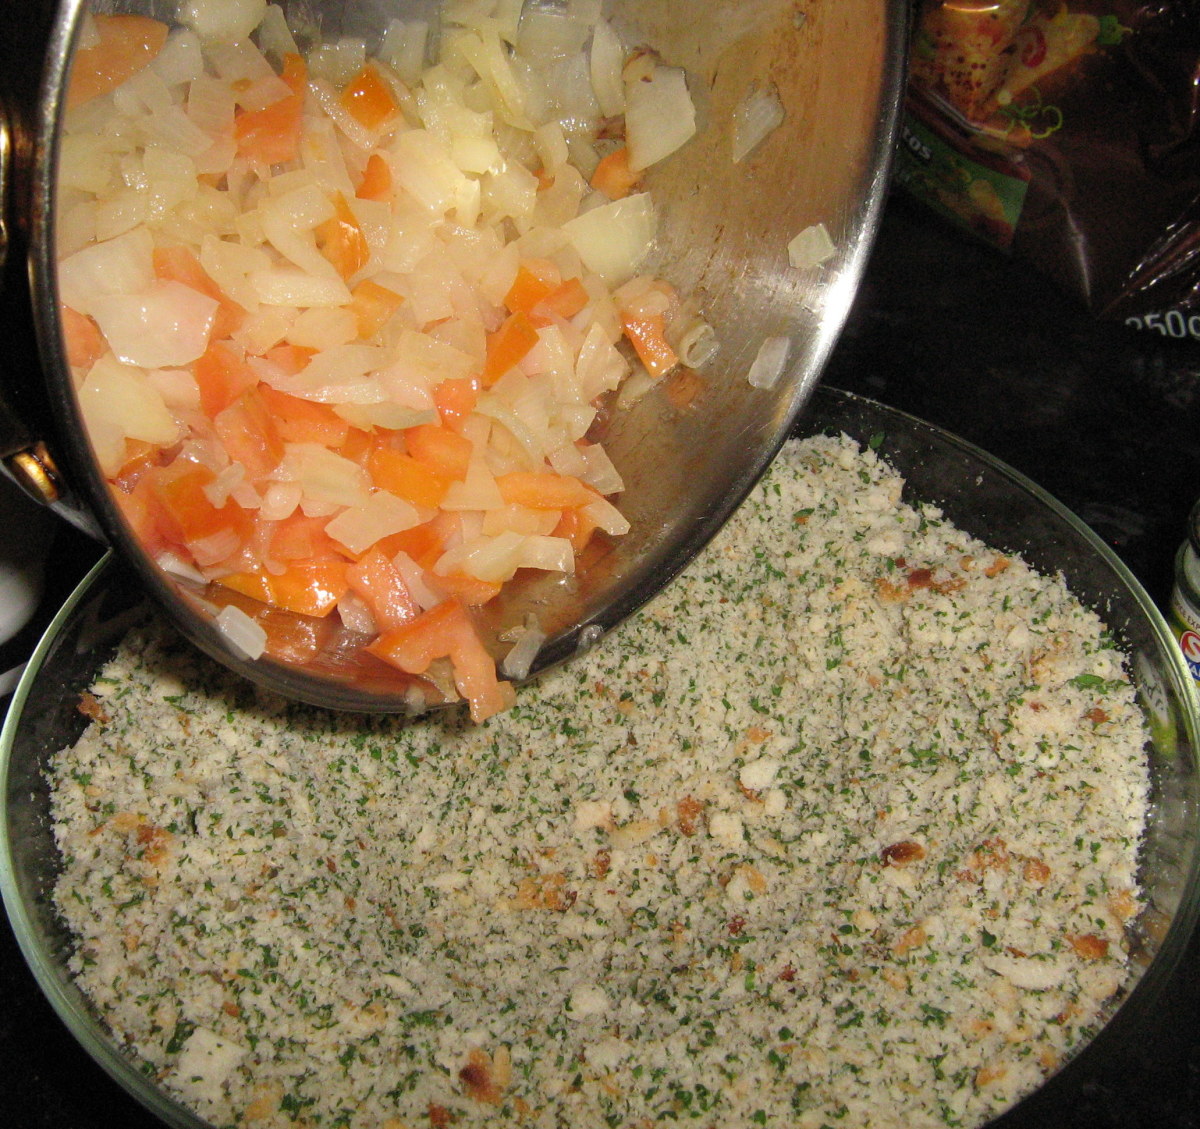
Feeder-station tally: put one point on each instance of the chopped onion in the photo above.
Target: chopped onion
(380, 515)
(245, 636)
(615, 238)
(164, 326)
(811, 247)
(607, 517)
(601, 475)
(119, 266)
(118, 402)
(325, 477)
(769, 363)
(404, 47)
(519, 660)
(181, 59)
(659, 116)
(606, 60)
(759, 115)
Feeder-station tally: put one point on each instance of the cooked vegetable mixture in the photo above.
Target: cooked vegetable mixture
(341, 322)
(841, 830)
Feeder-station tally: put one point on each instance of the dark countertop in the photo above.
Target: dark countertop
(1106, 419)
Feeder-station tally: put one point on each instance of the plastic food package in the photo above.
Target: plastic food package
(1067, 133)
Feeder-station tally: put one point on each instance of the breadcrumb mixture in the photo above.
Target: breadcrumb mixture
(840, 831)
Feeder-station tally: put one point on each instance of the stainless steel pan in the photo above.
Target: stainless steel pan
(838, 69)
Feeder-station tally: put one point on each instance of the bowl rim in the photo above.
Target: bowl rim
(88, 1029)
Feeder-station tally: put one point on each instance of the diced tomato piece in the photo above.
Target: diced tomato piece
(376, 183)
(341, 239)
(507, 346)
(303, 421)
(140, 457)
(189, 520)
(423, 543)
(467, 590)
(446, 631)
(301, 538)
(378, 583)
(369, 100)
(566, 299)
(455, 400)
(178, 264)
(307, 587)
(575, 526)
(544, 490)
(648, 337)
(223, 375)
(408, 478)
(613, 175)
(373, 306)
(290, 359)
(536, 278)
(250, 435)
(82, 337)
(442, 450)
(140, 509)
(124, 46)
(272, 135)
(358, 446)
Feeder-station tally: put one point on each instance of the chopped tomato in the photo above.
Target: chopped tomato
(378, 583)
(341, 240)
(301, 538)
(566, 299)
(222, 375)
(455, 400)
(575, 526)
(139, 507)
(534, 281)
(304, 421)
(422, 543)
(373, 306)
(272, 135)
(307, 587)
(369, 100)
(179, 264)
(290, 359)
(82, 337)
(189, 520)
(467, 590)
(357, 446)
(250, 434)
(647, 334)
(446, 631)
(376, 183)
(441, 449)
(613, 176)
(507, 346)
(124, 46)
(408, 478)
(544, 490)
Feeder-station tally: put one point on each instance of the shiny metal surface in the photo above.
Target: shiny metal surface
(724, 229)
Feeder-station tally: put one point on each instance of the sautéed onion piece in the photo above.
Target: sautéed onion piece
(340, 323)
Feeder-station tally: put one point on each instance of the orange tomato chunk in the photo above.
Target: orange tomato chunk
(179, 264)
(613, 175)
(508, 346)
(341, 240)
(272, 135)
(441, 449)
(544, 490)
(369, 100)
(408, 478)
(650, 343)
(125, 45)
(378, 583)
(222, 375)
(376, 183)
(446, 631)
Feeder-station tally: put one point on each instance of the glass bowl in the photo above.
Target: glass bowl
(977, 492)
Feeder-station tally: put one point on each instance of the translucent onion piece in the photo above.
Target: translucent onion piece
(244, 635)
(613, 239)
(659, 116)
(165, 325)
(759, 115)
(811, 247)
(606, 60)
(518, 662)
(381, 515)
(768, 365)
(118, 402)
